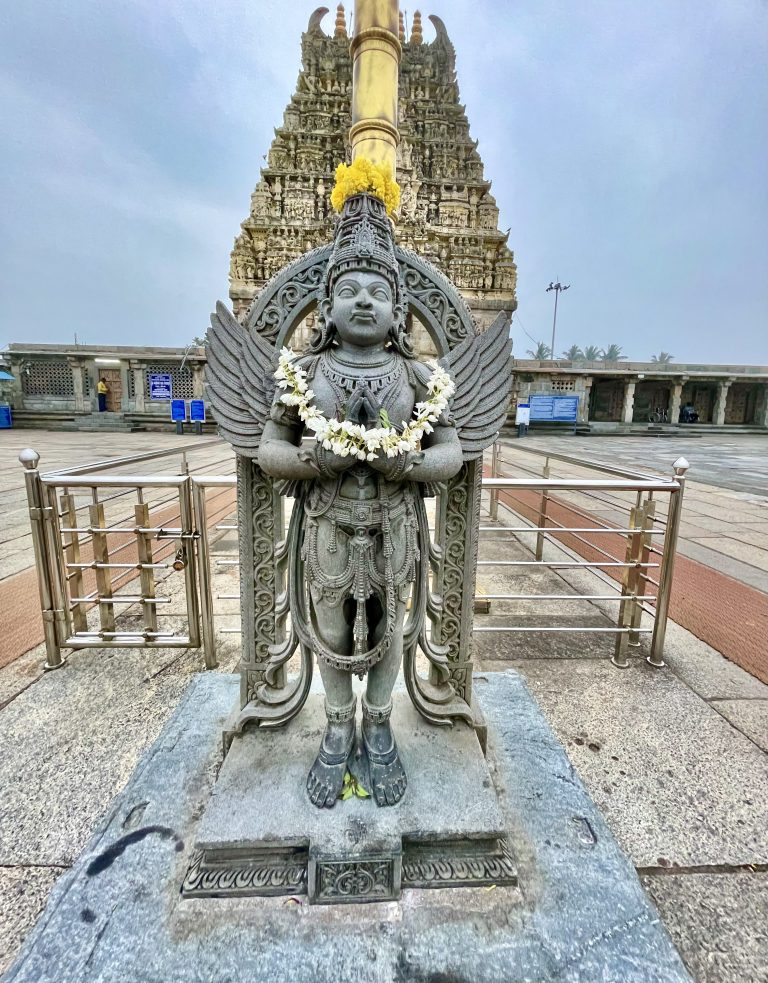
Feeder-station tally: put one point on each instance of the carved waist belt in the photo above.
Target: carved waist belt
(352, 514)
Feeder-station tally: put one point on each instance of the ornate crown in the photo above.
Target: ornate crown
(364, 240)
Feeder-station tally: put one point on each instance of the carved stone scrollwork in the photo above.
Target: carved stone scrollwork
(463, 868)
(330, 880)
(354, 880)
(273, 875)
(288, 295)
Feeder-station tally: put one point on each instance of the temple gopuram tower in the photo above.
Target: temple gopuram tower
(447, 212)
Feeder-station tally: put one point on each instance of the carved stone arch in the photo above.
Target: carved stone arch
(286, 299)
(435, 301)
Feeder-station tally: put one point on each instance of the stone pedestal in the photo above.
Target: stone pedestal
(577, 913)
(447, 830)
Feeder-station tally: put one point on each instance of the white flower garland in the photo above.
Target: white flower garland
(345, 438)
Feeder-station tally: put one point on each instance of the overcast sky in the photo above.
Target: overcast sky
(626, 142)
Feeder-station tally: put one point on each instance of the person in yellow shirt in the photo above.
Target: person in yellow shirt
(102, 389)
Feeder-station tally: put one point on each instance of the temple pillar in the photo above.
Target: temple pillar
(125, 399)
(139, 388)
(198, 380)
(583, 416)
(17, 393)
(675, 400)
(718, 415)
(628, 408)
(78, 382)
(761, 406)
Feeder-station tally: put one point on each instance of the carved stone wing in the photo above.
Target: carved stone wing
(240, 381)
(481, 370)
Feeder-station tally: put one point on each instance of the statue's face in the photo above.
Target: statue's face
(362, 308)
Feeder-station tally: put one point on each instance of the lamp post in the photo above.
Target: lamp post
(557, 287)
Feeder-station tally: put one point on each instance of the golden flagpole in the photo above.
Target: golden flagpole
(376, 52)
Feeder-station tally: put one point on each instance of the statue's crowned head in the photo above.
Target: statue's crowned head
(363, 244)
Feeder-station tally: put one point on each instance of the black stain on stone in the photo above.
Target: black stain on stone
(110, 855)
(87, 916)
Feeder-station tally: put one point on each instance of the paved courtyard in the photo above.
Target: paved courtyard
(676, 759)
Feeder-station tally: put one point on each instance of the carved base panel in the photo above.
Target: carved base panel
(351, 879)
(260, 834)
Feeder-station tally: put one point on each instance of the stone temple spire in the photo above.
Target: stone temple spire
(416, 36)
(401, 27)
(447, 211)
(341, 23)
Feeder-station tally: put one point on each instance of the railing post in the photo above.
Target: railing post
(187, 522)
(542, 513)
(79, 612)
(493, 509)
(628, 588)
(147, 574)
(101, 557)
(204, 576)
(649, 511)
(656, 658)
(29, 460)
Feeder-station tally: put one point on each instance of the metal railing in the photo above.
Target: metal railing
(648, 539)
(104, 564)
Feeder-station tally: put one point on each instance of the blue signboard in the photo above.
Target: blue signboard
(6, 417)
(556, 409)
(197, 410)
(179, 410)
(159, 385)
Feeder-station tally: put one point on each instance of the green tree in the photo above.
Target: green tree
(542, 352)
(592, 353)
(573, 354)
(612, 354)
(200, 342)
(663, 358)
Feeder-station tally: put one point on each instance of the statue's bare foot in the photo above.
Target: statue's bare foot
(326, 776)
(388, 778)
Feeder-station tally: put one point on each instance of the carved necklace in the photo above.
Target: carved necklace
(345, 382)
(345, 438)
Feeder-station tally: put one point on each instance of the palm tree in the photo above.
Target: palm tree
(542, 352)
(612, 354)
(591, 353)
(663, 358)
(573, 354)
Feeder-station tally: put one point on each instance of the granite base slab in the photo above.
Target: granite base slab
(261, 835)
(578, 912)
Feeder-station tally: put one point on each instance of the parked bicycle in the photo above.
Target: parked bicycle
(658, 416)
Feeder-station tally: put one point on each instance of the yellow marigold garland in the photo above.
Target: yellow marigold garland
(363, 175)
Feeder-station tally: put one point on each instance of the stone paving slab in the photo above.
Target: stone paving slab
(730, 911)
(749, 716)
(118, 914)
(676, 782)
(25, 892)
(72, 740)
(706, 672)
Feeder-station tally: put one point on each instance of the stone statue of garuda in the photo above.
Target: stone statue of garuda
(358, 431)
